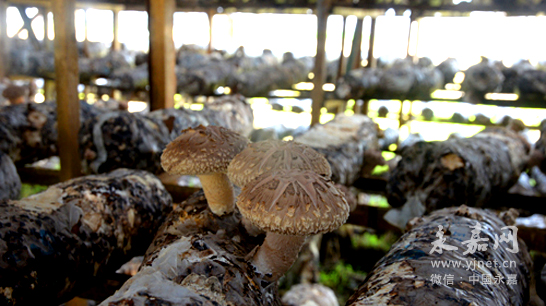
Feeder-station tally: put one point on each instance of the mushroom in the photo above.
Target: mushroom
(206, 152)
(310, 295)
(270, 155)
(289, 205)
(15, 94)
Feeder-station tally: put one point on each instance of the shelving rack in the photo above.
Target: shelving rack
(162, 53)
(162, 88)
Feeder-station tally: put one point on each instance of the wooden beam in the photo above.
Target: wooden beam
(67, 79)
(4, 43)
(49, 90)
(116, 45)
(210, 14)
(356, 56)
(340, 70)
(47, 43)
(372, 63)
(162, 54)
(85, 39)
(317, 95)
(414, 16)
(27, 24)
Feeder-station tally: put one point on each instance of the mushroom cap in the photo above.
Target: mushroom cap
(263, 156)
(293, 202)
(13, 92)
(201, 151)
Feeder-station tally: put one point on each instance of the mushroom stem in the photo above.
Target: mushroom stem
(277, 254)
(219, 193)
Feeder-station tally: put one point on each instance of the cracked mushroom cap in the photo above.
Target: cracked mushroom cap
(293, 202)
(269, 155)
(203, 150)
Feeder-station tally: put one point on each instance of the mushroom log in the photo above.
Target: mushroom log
(198, 258)
(349, 143)
(10, 183)
(488, 264)
(53, 244)
(433, 175)
(28, 132)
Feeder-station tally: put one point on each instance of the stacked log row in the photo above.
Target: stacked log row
(455, 171)
(121, 139)
(197, 258)
(487, 277)
(28, 132)
(401, 79)
(259, 82)
(10, 183)
(54, 243)
(539, 151)
(349, 143)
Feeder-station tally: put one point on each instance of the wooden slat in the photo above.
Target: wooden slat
(49, 90)
(3, 40)
(340, 68)
(162, 55)
(48, 44)
(355, 58)
(116, 45)
(27, 24)
(210, 14)
(317, 95)
(66, 71)
(371, 60)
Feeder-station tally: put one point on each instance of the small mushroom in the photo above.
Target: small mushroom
(15, 94)
(206, 152)
(289, 205)
(272, 155)
(310, 295)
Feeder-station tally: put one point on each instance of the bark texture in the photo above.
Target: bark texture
(10, 183)
(455, 171)
(539, 151)
(404, 275)
(198, 258)
(349, 143)
(54, 243)
(121, 139)
(28, 132)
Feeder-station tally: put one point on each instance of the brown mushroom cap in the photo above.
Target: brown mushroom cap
(270, 155)
(293, 202)
(203, 150)
(13, 92)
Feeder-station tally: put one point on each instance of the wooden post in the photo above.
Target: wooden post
(413, 18)
(162, 54)
(355, 57)
(47, 42)
(85, 40)
(210, 13)
(66, 72)
(4, 49)
(116, 45)
(49, 90)
(317, 95)
(340, 70)
(27, 24)
(371, 60)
